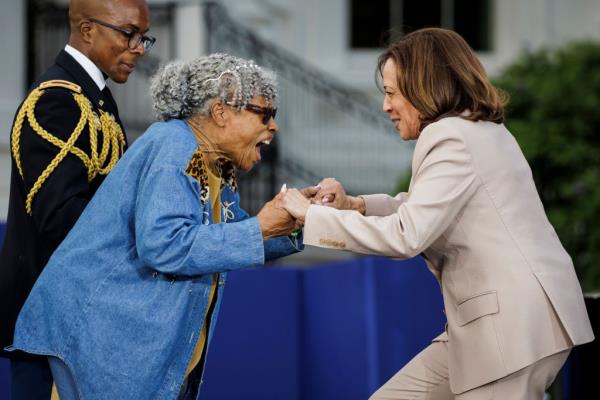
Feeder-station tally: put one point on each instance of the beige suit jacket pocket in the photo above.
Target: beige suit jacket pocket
(476, 307)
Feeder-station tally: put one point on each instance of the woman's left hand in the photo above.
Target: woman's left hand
(295, 203)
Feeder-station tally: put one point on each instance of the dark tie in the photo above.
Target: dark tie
(109, 101)
(110, 105)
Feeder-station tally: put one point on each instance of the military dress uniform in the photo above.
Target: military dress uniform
(66, 137)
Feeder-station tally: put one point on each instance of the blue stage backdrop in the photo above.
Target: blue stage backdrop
(334, 331)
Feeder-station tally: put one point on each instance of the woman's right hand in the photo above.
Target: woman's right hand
(274, 220)
(332, 194)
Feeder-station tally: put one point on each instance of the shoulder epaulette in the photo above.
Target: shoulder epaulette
(62, 84)
(97, 162)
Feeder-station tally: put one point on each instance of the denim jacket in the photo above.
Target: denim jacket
(122, 299)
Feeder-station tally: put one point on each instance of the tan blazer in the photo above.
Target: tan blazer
(510, 291)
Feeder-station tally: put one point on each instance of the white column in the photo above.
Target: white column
(190, 31)
(12, 81)
(13, 66)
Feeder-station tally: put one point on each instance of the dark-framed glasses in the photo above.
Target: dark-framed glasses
(266, 112)
(134, 38)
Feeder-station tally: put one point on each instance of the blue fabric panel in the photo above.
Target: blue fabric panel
(4, 379)
(254, 351)
(364, 319)
(339, 330)
(408, 314)
(335, 355)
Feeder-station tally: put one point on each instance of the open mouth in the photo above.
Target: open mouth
(260, 144)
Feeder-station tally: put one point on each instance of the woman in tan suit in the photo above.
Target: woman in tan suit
(512, 300)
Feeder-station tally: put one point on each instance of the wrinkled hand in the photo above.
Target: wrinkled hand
(295, 203)
(275, 221)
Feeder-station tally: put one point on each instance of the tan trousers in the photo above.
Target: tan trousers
(425, 377)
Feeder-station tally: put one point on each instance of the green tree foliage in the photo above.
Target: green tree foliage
(554, 113)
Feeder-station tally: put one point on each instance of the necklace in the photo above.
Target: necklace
(213, 157)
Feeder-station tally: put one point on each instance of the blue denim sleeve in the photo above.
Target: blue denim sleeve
(282, 246)
(172, 238)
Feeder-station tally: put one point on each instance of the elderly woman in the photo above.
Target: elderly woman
(512, 300)
(126, 306)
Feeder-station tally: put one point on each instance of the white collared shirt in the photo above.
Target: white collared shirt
(87, 64)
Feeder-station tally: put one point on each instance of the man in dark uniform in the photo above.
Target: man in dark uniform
(66, 137)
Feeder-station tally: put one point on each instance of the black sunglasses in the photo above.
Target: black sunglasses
(134, 38)
(267, 112)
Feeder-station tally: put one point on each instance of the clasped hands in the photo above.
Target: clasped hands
(286, 212)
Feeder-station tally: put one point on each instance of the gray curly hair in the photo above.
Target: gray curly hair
(182, 89)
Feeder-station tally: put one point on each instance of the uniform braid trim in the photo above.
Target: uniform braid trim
(113, 140)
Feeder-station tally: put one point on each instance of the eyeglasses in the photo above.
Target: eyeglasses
(267, 112)
(134, 37)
